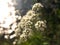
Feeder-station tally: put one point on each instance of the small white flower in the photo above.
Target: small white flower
(6, 36)
(12, 36)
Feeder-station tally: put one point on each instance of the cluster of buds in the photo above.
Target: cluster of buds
(31, 22)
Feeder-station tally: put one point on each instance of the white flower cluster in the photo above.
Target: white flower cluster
(37, 7)
(31, 21)
(40, 25)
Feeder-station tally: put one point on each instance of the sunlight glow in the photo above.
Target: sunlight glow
(8, 17)
(7, 11)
